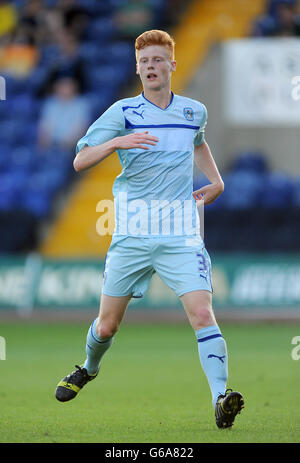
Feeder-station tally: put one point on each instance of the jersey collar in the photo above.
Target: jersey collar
(172, 98)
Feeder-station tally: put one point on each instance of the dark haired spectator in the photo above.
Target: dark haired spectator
(281, 20)
(287, 20)
(32, 20)
(67, 62)
(75, 17)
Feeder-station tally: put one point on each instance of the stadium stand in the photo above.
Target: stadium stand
(41, 43)
(46, 41)
(258, 210)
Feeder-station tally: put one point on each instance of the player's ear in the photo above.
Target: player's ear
(173, 65)
(137, 68)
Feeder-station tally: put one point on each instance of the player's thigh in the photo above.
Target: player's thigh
(111, 312)
(184, 267)
(198, 307)
(128, 267)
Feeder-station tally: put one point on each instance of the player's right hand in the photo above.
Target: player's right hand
(136, 140)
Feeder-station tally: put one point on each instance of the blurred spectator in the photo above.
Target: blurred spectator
(281, 20)
(287, 20)
(66, 62)
(65, 116)
(68, 16)
(172, 13)
(133, 18)
(75, 17)
(9, 17)
(32, 20)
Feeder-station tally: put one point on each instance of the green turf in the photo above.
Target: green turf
(151, 389)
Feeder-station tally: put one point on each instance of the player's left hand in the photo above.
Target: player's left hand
(209, 193)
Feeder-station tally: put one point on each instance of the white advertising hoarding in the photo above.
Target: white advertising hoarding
(261, 82)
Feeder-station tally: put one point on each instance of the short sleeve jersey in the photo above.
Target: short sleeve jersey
(153, 193)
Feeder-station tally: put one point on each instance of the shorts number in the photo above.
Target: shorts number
(202, 265)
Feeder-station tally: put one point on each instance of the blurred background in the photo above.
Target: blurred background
(63, 63)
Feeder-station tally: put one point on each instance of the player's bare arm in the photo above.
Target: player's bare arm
(89, 156)
(206, 163)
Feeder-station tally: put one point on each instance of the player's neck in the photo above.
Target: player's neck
(159, 98)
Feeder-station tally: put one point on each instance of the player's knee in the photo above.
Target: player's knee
(204, 316)
(106, 330)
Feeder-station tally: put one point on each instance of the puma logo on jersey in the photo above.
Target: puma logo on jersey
(139, 114)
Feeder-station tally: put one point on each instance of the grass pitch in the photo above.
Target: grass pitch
(151, 388)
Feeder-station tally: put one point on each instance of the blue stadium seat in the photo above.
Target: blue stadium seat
(49, 182)
(121, 55)
(24, 106)
(31, 131)
(278, 191)
(51, 3)
(101, 30)
(17, 132)
(49, 54)
(22, 158)
(7, 192)
(242, 190)
(104, 78)
(57, 157)
(39, 191)
(264, 26)
(99, 102)
(96, 8)
(19, 3)
(104, 68)
(7, 133)
(5, 109)
(253, 161)
(119, 51)
(5, 157)
(91, 53)
(218, 204)
(12, 184)
(296, 193)
(39, 203)
(13, 85)
(38, 77)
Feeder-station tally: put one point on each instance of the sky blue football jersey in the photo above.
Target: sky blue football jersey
(153, 193)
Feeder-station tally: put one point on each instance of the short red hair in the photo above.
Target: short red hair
(155, 37)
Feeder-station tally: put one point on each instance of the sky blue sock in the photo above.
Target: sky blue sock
(213, 357)
(95, 349)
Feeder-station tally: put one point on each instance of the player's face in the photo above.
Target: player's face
(154, 67)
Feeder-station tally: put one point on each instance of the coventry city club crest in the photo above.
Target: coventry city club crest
(188, 114)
